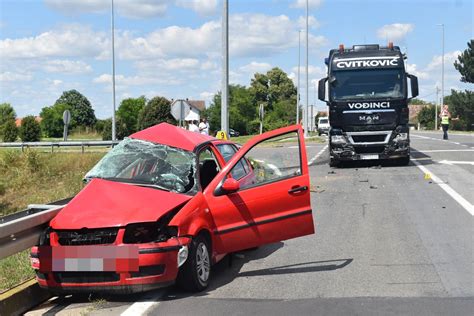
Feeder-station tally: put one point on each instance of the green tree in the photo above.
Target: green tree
(465, 63)
(461, 107)
(418, 101)
(10, 131)
(129, 111)
(52, 123)
(7, 114)
(156, 111)
(120, 129)
(82, 113)
(426, 116)
(30, 130)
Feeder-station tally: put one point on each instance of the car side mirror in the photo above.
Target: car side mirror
(413, 85)
(230, 185)
(322, 89)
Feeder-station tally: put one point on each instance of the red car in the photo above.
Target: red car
(165, 204)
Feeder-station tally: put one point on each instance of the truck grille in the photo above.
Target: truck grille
(369, 150)
(368, 138)
(87, 236)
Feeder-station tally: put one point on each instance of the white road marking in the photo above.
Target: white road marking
(411, 135)
(456, 196)
(444, 150)
(318, 155)
(140, 307)
(455, 143)
(453, 162)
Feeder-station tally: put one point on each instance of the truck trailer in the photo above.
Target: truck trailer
(367, 93)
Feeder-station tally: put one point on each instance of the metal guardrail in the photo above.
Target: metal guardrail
(82, 144)
(21, 230)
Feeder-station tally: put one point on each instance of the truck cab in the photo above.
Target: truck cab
(368, 94)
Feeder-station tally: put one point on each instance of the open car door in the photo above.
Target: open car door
(262, 195)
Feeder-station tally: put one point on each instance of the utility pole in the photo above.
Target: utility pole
(436, 108)
(305, 112)
(114, 137)
(298, 83)
(442, 72)
(225, 67)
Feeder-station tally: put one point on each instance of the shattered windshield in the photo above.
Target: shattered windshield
(145, 163)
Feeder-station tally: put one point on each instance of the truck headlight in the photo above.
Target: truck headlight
(338, 139)
(401, 137)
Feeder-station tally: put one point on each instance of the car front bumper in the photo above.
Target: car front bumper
(157, 267)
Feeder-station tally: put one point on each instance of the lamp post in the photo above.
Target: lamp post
(114, 137)
(225, 67)
(298, 81)
(442, 70)
(305, 112)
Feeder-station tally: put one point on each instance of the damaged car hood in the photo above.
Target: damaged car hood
(104, 203)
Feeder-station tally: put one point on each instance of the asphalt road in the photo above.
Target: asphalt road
(389, 240)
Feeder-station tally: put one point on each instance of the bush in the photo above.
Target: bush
(52, 123)
(30, 130)
(10, 132)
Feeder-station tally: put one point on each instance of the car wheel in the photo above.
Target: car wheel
(195, 273)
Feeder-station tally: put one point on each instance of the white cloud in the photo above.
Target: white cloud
(394, 32)
(255, 67)
(207, 96)
(449, 59)
(301, 4)
(15, 76)
(125, 81)
(202, 7)
(412, 69)
(65, 66)
(312, 22)
(67, 41)
(57, 82)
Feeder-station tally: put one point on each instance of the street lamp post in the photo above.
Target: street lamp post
(442, 70)
(305, 112)
(225, 67)
(114, 137)
(298, 83)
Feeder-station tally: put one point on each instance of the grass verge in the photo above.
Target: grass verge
(35, 177)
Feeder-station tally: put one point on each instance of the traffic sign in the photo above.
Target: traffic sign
(180, 109)
(222, 135)
(66, 117)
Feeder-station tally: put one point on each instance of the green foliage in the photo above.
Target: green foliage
(156, 111)
(128, 112)
(10, 131)
(7, 114)
(30, 130)
(461, 107)
(52, 123)
(100, 125)
(120, 129)
(418, 101)
(426, 117)
(465, 63)
(82, 113)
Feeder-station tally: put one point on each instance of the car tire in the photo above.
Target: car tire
(195, 273)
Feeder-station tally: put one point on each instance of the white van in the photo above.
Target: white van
(323, 125)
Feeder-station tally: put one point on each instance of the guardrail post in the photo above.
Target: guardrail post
(82, 145)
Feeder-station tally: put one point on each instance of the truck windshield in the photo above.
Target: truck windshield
(144, 163)
(367, 84)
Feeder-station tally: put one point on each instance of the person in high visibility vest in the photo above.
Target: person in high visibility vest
(445, 116)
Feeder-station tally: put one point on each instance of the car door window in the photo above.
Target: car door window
(208, 167)
(241, 168)
(272, 160)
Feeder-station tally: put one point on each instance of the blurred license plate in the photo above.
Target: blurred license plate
(369, 157)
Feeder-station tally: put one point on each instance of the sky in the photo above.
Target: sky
(173, 48)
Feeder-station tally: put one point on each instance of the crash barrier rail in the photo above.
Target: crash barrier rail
(21, 230)
(82, 144)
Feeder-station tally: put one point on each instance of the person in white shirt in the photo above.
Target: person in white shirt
(204, 127)
(193, 126)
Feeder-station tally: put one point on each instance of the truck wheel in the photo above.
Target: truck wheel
(403, 161)
(195, 273)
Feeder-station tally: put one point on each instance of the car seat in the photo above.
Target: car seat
(207, 172)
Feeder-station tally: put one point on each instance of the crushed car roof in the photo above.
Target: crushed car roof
(173, 136)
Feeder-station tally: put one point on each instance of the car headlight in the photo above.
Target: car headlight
(148, 232)
(338, 139)
(401, 137)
